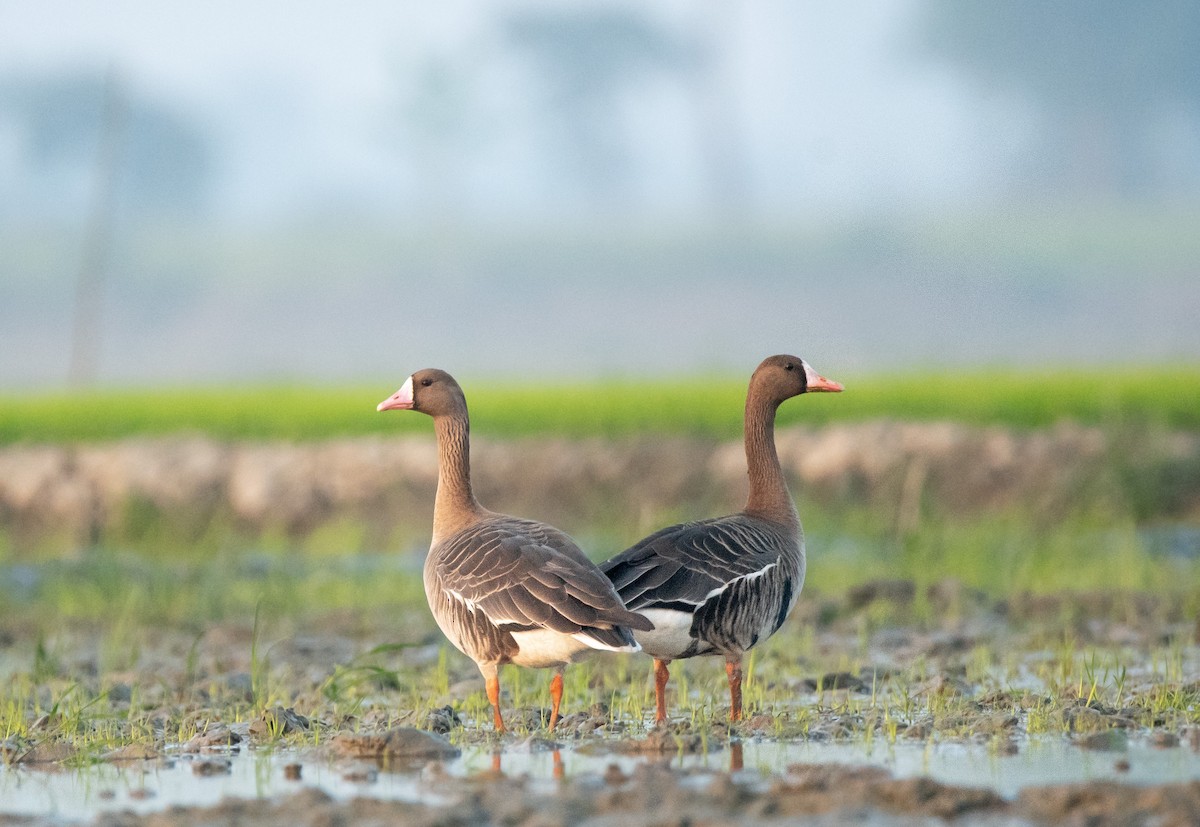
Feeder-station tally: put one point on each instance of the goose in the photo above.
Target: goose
(720, 586)
(504, 589)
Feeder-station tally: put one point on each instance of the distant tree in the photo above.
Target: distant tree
(87, 147)
(1102, 75)
(587, 59)
(164, 162)
(443, 121)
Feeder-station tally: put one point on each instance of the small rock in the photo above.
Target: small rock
(833, 680)
(292, 772)
(761, 723)
(360, 775)
(132, 752)
(614, 777)
(534, 744)
(1110, 740)
(240, 684)
(403, 742)
(1164, 740)
(44, 722)
(442, 720)
(47, 752)
(210, 767)
(831, 731)
(216, 736)
(120, 693)
(434, 773)
(895, 591)
(945, 644)
(576, 722)
(942, 685)
(1193, 738)
(278, 721)
(1092, 719)
(665, 741)
(993, 724)
(918, 731)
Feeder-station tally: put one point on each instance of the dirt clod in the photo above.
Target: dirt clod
(405, 743)
(216, 736)
(133, 752)
(209, 767)
(278, 721)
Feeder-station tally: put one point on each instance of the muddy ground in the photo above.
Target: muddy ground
(918, 686)
(655, 795)
(1111, 679)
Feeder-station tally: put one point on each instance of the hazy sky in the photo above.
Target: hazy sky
(830, 103)
(392, 185)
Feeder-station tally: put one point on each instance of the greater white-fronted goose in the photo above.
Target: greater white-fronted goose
(503, 589)
(720, 586)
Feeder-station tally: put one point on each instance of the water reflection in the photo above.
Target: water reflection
(736, 762)
(556, 768)
(156, 785)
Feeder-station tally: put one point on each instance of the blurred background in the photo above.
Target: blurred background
(228, 229)
(242, 192)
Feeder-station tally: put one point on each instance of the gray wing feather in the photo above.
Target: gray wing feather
(737, 576)
(685, 563)
(523, 574)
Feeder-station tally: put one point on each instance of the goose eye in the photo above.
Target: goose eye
(426, 382)
(789, 366)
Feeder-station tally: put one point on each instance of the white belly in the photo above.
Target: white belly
(670, 636)
(540, 648)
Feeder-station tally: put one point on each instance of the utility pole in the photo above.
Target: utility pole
(97, 241)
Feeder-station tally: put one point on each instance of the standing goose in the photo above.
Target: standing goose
(719, 586)
(503, 589)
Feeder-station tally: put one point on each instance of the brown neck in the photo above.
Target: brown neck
(769, 495)
(455, 505)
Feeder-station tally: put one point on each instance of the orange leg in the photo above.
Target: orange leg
(558, 766)
(556, 691)
(733, 669)
(661, 676)
(491, 680)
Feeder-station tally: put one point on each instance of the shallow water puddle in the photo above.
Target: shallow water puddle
(189, 781)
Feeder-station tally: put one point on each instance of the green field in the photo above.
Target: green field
(1105, 538)
(704, 405)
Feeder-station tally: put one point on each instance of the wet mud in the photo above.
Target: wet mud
(887, 743)
(654, 793)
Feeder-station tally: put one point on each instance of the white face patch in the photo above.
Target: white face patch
(816, 382)
(401, 400)
(811, 377)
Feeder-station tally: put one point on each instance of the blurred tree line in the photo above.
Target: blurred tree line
(1112, 87)
(68, 127)
(1115, 85)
